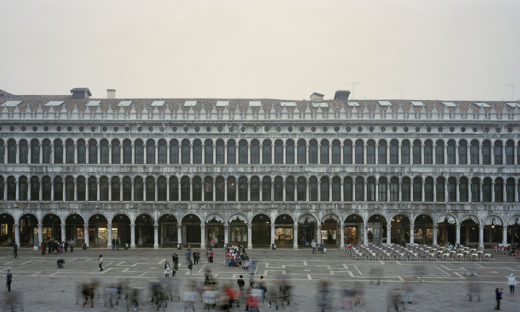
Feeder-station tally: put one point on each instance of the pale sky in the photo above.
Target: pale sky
(431, 49)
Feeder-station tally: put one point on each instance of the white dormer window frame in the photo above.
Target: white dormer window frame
(190, 103)
(449, 104)
(94, 103)
(417, 104)
(54, 103)
(124, 103)
(158, 103)
(288, 104)
(11, 103)
(222, 104)
(384, 103)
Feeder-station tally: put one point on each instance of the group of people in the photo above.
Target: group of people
(236, 256)
(116, 242)
(56, 246)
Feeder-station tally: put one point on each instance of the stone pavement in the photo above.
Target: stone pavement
(437, 285)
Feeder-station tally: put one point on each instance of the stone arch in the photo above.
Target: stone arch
(216, 217)
(493, 230)
(51, 226)
(261, 230)
(400, 229)
(28, 223)
(330, 227)
(238, 217)
(353, 228)
(7, 222)
(423, 229)
(75, 228)
(98, 230)
(469, 230)
(191, 229)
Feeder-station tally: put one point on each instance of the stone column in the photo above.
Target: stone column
(249, 236)
(75, 153)
(481, 236)
(168, 153)
(365, 234)
(493, 199)
(17, 188)
(17, 158)
(342, 234)
(63, 233)
(389, 233)
(504, 234)
(412, 232)
(98, 189)
(248, 153)
(457, 234)
(85, 229)
(226, 234)
(318, 232)
(75, 196)
(179, 235)
(52, 188)
(109, 238)
(295, 237)
(17, 234)
(272, 233)
(156, 235)
(40, 233)
(133, 154)
(364, 153)
(422, 153)
(202, 236)
(156, 152)
(132, 235)
(434, 243)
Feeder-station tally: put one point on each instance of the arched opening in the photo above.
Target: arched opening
(513, 230)
(493, 230)
(238, 231)
(6, 229)
(423, 230)
(215, 232)
(306, 230)
(353, 229)
(28, 230)
(376, 230)
(121, 229)
(144, 231)
(329, 231)
(446, 226)
(400, 230)
(167, 231)
(97, 231)
(261, 231)
(469, 231)
(74, 229)
(51, 227)
(284, 231)
(191, 230)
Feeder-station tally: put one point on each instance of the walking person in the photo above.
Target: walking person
(15, 250)
(100, 262)
(190, 266)
(511, 282)
(167, 269)
(241, 283)
(188, 254)
(71, 245)
(498, 297)
(9, 278)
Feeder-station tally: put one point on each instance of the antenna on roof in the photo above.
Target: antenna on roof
(353, 88)
(401, 90)
(512, 85)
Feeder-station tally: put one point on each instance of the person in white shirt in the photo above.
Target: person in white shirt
(100, 262)
(511, 282)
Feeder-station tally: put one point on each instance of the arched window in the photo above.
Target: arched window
(371, 152)
(220, 151)
(93, 150)
(451, 152)
(58, 189)
(127, 189)
(174, 151)
(255, 152)
(35, 151)
(417, 189)
(231, 152)
(208, 152)
(242, 152)
(336, 189)
(486, 190)
(278, 189)
(289, 152)
(47, 150)
(11, 188)
(439, 152)
(231, 189)
(394, 189)
(278, 152)
(510, 190)
(162, 189)
(499, 186)
(82, 151)
(58, 151)
(428, 189)
(474, 152)
(359, 152)
(475, 190)
(2, 152)
(242, 189)
(266, 189)
(510, 152)
(35, 188)
(405, 189)
(417, 152)
(185, 188)
(69, 151)
(302, 152)
(138, 189)
(150, 189)
(208, 188)
(360, 189)
(46, 188)
(185, 152)
(463, 152)
(440, 189)
(289, 189)
(382, 189)
(197, 151)
(301, 188)
(452, 189)
(324, 190)
(324, 152)
(394, 152)
(347, 189)
(11, 151)
(174, 188)
(371, 189)
(103, 188)
(24, 188)
(313, 189)
(313, 151)
(497, 151)
(405, 152)
(428, 152)
(220, 189)
(105, 153)
(347, 152)
(518, 155)
(463, 189)
(266, 152)
(486, 152)
(92, 189)
(255, 189)
(197, 188)
(24, 151)
(116, 188)
(69, 188)
(81, 187)
(162, 152)
(116, 152)
(381, 152)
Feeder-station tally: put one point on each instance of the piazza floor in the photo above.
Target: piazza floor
(438, 286)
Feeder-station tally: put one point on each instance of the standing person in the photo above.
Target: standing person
(167, 269)
(322, 246)
(498, 297)
(71, 245)
(190, 266)
(241, 283)
(313, 245)
(43, 248)
(100, 262)
(15, 250)
(511, 282)
(188, 254)
(210, 255)
(175, 260)
(9, 278)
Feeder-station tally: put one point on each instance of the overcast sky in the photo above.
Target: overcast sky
(431, 49)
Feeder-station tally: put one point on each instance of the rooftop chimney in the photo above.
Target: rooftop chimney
(111, 93)
(341, 95)
(80, 93)
(315, 96)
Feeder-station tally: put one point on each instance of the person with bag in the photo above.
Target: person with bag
(498, 297)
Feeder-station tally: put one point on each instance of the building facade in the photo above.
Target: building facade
(163, 172)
